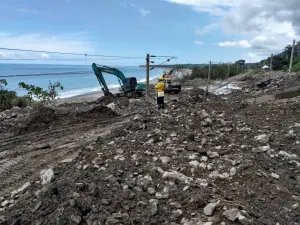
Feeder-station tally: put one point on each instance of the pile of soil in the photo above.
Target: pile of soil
(201, 161)
(48, 117)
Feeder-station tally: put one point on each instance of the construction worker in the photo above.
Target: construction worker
(160, 91)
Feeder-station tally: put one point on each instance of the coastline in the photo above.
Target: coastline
(90, 96)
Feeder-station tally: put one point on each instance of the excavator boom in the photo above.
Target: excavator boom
(110, 70)
(128, 85)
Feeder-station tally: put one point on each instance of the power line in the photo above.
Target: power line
(168, 60)
(49, 59)
(45, 74)
(68, 53)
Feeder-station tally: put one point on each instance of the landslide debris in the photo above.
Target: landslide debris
(200, 161)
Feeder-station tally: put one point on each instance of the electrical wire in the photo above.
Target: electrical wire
(45, 74)
(70, 53)
(168, 60)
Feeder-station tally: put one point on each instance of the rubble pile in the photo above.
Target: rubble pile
(272, 82)
(198, 162)
(9, 119)
(20, 121)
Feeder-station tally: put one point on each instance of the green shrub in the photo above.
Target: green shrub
(6, 99)
(21, 101)
(296, 67)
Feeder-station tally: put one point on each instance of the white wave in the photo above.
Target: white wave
(150, 78)
(76, 92)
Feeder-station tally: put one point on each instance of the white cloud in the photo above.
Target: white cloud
(42, 42)
(44, 56)
(144, 12)
(206, 29)
(242, 44)
(141, 10)
(267, 25)
(28, 11)
(252, 57)
(198, 43)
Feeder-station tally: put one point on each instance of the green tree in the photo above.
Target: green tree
(35, 92)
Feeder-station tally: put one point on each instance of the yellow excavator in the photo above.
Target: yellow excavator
(171, 88)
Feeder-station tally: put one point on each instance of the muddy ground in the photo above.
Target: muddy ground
(201, 161)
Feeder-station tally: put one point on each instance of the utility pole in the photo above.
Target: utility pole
(292, 57)
(147, 76)
(208, 79)
(271, 63)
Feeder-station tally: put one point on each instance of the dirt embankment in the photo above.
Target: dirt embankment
(202, 161)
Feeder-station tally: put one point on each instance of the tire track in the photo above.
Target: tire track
(21, 163)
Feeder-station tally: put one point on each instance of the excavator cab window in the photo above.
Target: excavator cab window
(130, 83)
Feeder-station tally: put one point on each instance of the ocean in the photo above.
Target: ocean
(76, 79)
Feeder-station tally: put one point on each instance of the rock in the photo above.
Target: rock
(14, 115)
(165, 159)
(175, 205)
(202, 165)
(21, 189)
(36, 208)
(162, 195)
(5, 203)
(173, 135)
(66, 161)
(224, 175)
(144, 182)
(204, 159)
(76, 195)
(75, 218)
(210, 208)
(168, 140)
(176, 175)
(212, 155)
(111, 106)
(295, 206)
(194, 164)
(151, 191)
(243, 220)
(233, 171)
(47, 176)
(231, 214)
(193, 157)
(207, 122)
(214, 174)
(274, 175)
(234, 214)
(263, 138)
(177, 213)
(120, 151)
(202, 182)
(264, 148)
(203, 113)
(287, 155)
(153, 206)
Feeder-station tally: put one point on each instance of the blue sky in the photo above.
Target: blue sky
(195, 31)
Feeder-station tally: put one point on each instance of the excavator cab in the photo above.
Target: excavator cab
(130, 84)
